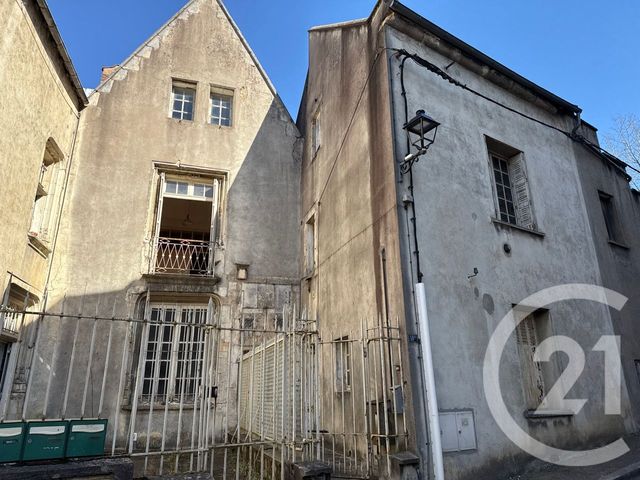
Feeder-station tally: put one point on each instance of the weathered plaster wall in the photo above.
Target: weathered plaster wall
(39, 104)
(619, 266)
(350, 186)
(106, 237)
(454, 206)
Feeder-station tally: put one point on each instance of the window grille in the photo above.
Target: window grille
(174, 353)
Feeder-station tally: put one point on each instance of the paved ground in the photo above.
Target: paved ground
(626, 467)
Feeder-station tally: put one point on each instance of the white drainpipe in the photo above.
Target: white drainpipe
(432, 401)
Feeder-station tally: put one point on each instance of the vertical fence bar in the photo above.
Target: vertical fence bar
(197, 412)
(203, 357)
(54, 359)
(157, 358)
(144, 340)
(88, 375)
(239, 399)
(365, 388)
(123, 370)
(383, 378)
(71, 361)
(106, 361)
(186, 376)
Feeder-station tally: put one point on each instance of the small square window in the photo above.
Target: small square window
(182, 101)
(221, 109)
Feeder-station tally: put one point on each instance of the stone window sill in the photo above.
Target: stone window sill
(619, 245)
(536, 233)
(535, 414)
(38, 245)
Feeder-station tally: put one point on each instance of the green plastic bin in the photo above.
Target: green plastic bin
(45, 440)
(11, 439)
(86, 438)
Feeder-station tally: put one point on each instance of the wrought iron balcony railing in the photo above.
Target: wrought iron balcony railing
(183, 257)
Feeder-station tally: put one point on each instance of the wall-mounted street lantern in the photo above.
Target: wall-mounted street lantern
(421, 130)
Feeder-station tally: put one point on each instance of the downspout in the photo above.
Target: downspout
(433, 415)
(420, 299)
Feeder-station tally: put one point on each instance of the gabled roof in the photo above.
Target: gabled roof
(157, 34)
(43, 8)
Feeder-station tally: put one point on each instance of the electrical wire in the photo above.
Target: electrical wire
(353, 116)
(597, 149)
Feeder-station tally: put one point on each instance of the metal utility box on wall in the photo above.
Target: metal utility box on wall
(11, 439)
(45, 440)
(458, 431)
(86, 438)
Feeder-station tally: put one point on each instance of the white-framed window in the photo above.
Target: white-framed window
(173, 353)
(510, 185)
(342, 354)
(188, 188)
(187, 226)
(221, 107)
(183, 96)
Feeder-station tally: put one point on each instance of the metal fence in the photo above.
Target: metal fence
(183, 392)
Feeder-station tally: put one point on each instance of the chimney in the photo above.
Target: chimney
(107, 71)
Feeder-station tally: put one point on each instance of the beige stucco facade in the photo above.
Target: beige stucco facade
(244, 232)
(43, 108)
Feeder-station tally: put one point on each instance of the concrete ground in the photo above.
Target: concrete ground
(626, 467)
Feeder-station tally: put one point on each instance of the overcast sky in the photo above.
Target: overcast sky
(586, 51)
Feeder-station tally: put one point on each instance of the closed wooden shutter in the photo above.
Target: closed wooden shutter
(522, 199)
(527, 338)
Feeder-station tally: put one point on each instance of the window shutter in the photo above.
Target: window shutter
(213, 231)
(522, 200)
(156, 233)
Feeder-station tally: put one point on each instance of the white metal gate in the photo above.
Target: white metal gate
(184, 393)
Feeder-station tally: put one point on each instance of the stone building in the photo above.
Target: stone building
(181, 209)
(508, 200)
(39, 128)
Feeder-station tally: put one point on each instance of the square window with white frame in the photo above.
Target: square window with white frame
(221, 107)
(183, 96)
(510, 185)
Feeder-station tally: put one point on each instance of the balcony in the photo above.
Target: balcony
(178, 256)
(10, 321)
